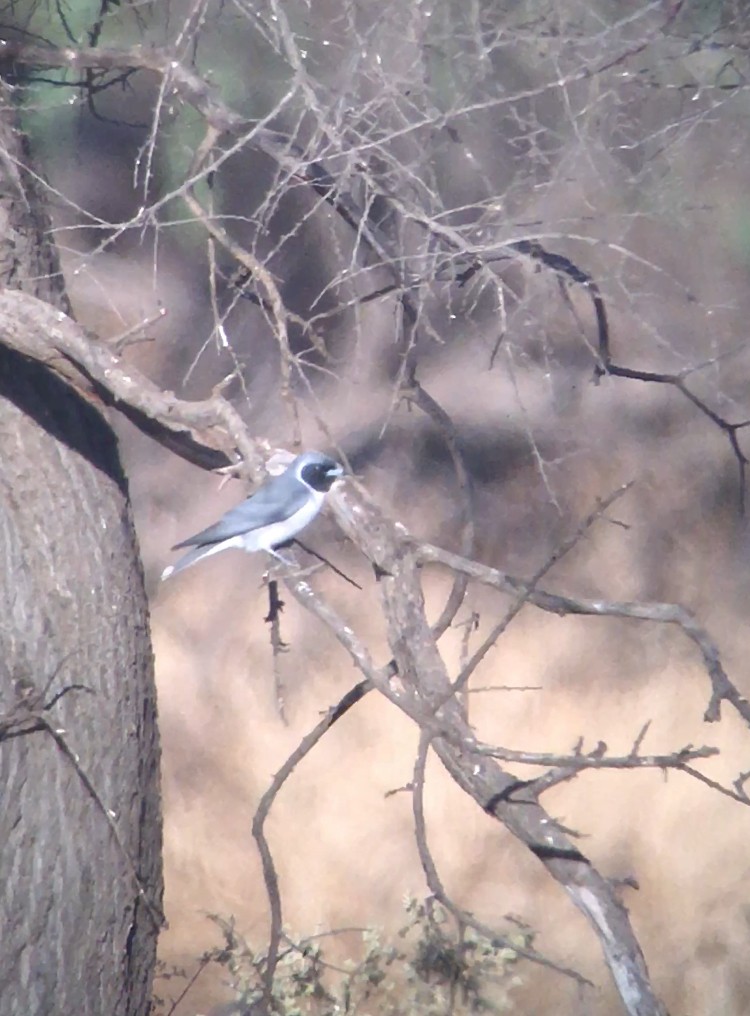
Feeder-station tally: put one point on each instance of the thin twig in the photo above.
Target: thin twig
(526, 594)
(270, 877)
(722, 689)
(326, 561)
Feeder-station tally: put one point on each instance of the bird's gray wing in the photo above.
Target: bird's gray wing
(275, 501)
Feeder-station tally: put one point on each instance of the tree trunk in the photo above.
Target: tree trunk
(80, 889)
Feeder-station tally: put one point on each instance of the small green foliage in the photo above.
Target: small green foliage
(435, 966)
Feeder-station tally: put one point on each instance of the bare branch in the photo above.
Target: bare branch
(525, 595)
(678, 381)
(209, 433)
(597, 760)
(303, 749)
(435, 884)
(417, 394)
(423, 673)
(722, 688)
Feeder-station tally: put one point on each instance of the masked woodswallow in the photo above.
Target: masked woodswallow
(278, 510)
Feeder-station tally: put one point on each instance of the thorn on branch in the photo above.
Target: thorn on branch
(624, 882)
(635, 750)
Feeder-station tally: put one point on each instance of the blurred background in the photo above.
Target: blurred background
(616, 135)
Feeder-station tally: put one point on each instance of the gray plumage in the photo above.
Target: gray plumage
(273, 515)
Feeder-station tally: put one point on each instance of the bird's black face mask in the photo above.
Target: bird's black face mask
(321, 475)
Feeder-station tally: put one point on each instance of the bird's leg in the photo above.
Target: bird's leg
(286, 561)
(297, 571)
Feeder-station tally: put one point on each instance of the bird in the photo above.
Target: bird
(279, 509)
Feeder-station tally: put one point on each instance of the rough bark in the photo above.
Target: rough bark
(80, 890)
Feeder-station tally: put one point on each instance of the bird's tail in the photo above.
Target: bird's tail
(192, 556)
